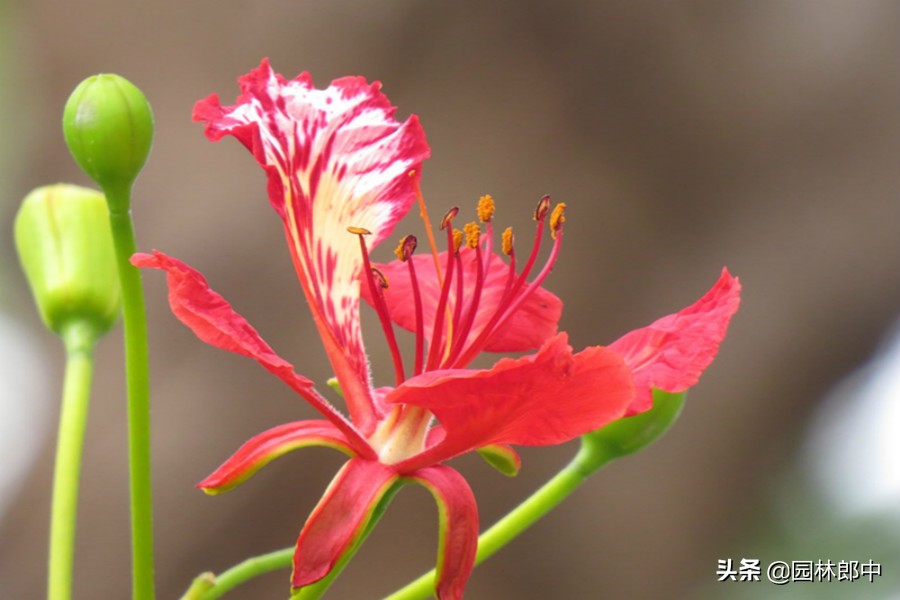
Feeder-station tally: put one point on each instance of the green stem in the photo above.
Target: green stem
(134, 317)
(79, 338)
(589, 458)
(210, 587)
(523, 516)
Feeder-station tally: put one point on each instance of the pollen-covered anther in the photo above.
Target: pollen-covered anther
(448, 218)
(542, 208)
(379, 278)
(406, 247)
(507, 241)
(359, 230)
(557, 218)
(485, 208)
(473, 232)
(457, 239)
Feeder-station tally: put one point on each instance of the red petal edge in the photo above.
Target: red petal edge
(340, 518)
(672, 352)
(547, 398)
(458, 514)
(213, 320)
(262, 449)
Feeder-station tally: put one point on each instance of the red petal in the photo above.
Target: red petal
(533, 323)
(334, 158)
(214, 321)
(262, 449)
(458, 528)
(672, 352)
(547, 398)
(340, 517)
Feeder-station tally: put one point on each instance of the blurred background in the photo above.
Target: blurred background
(683, 137)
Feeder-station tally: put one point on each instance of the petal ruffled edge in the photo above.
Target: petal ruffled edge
(458, 526)
(672, 352)
(335, 158)
(265, 447)
(340, 518)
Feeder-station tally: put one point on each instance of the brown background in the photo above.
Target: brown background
(683, 136)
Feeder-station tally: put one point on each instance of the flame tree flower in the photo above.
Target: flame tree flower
(342, 171)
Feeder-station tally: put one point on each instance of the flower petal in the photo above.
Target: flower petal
(340, 518)
(547, 398)
(335, 158)
(458, 528)
(262, 449)
(672, 352)
(213, 320)
(534, 322)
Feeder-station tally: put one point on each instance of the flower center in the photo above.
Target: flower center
(462, 324)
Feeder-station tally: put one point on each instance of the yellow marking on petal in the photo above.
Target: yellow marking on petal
(507, 241)
(457, 239)
(557, 218)
(359, 230)
(473, 231)
(485, 208)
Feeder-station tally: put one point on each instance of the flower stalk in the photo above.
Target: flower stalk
(79, 338)
(108, 126)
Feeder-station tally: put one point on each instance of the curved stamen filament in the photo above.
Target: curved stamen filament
(376, 289)
(409, 245)
(434, 351)
(463, 332)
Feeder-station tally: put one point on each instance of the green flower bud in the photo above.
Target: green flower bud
(108, 127)
(66, 249)
(630, 434)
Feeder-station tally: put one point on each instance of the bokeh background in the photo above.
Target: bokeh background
(683, 136)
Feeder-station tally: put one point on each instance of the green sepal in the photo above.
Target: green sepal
(630, 434)
(108, 126)
(503, 458)
(66, 249)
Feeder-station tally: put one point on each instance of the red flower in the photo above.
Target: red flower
(337, 160)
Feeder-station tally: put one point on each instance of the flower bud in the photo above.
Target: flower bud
(66, 250)
(630, 434)
(108, 126)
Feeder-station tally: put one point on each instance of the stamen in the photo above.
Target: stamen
(448, 218)
(508, 240)
(557, 218)
(406, 247)
(485, 208)
(542, 207)
(376, 288)
(463, 332)
(457, 239)
(437, 334)
(511, 295)
(404, 252)
(473, 232)
(380, 279)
